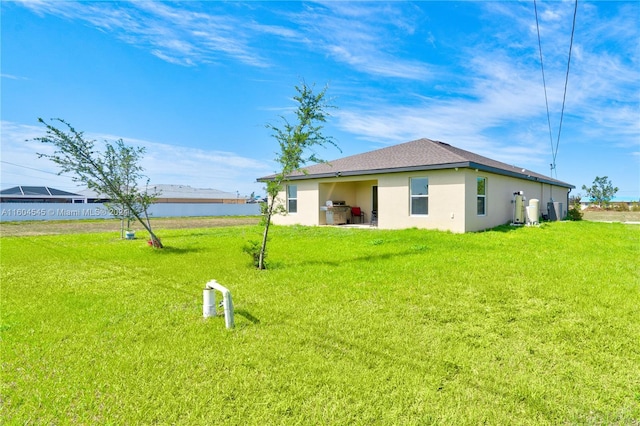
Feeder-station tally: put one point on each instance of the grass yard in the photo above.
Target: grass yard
(348, 326)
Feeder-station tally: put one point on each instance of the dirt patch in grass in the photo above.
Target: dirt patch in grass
(86, 226)
(600, 215)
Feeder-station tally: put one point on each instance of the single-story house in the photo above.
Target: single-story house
(188, 194)
(180, 194)
(39, 194)
(628, 201)
(423, 184)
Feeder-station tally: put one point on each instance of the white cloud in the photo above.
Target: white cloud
(499, 96)
(366, 37)
(12, 77)
(20, 164)
(177, 35)
(363, 36)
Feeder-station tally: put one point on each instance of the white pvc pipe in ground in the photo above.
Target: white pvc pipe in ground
(209, 302)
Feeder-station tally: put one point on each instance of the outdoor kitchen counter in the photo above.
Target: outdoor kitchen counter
(338, 215)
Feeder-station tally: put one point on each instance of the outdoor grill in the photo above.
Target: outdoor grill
(338, 213)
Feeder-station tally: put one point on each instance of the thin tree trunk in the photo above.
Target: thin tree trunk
(155, 241)
(263, 248)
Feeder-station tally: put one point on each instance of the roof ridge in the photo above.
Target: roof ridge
(449, 148)
(389, 147)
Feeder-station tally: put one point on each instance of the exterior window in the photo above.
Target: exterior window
(419, 196)
(292, 198)
(482, 196)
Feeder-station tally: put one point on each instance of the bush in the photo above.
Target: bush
(635, 207)
(252, 248)
(619, 207)
(574, 213)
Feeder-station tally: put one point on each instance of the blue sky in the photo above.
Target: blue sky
(196, 82)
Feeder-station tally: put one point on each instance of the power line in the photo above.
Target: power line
(37, 170)
(566, 82)
(554, 150)
(544, 82)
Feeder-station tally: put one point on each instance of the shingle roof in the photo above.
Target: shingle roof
(176, 191)
(185, 191)
(421, 154)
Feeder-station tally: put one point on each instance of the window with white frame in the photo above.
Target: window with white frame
(419, 196)
(482, 196)
(292, 198)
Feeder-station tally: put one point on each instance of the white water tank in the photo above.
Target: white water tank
(518, 214)
(533, 211)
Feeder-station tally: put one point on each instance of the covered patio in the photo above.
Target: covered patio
(341, 199)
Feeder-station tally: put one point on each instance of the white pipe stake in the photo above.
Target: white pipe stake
(227, 302)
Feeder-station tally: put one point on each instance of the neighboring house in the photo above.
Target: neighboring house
(187, 194)
(181, 194)
(629, 201)
(39, 194)
(422, 184)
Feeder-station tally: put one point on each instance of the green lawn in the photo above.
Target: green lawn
(348, 326)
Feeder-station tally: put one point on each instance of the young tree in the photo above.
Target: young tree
(601, 191)
(575, 209)
(297, 142)
(114, 173)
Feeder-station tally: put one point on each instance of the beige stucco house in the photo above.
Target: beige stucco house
(422, 184)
